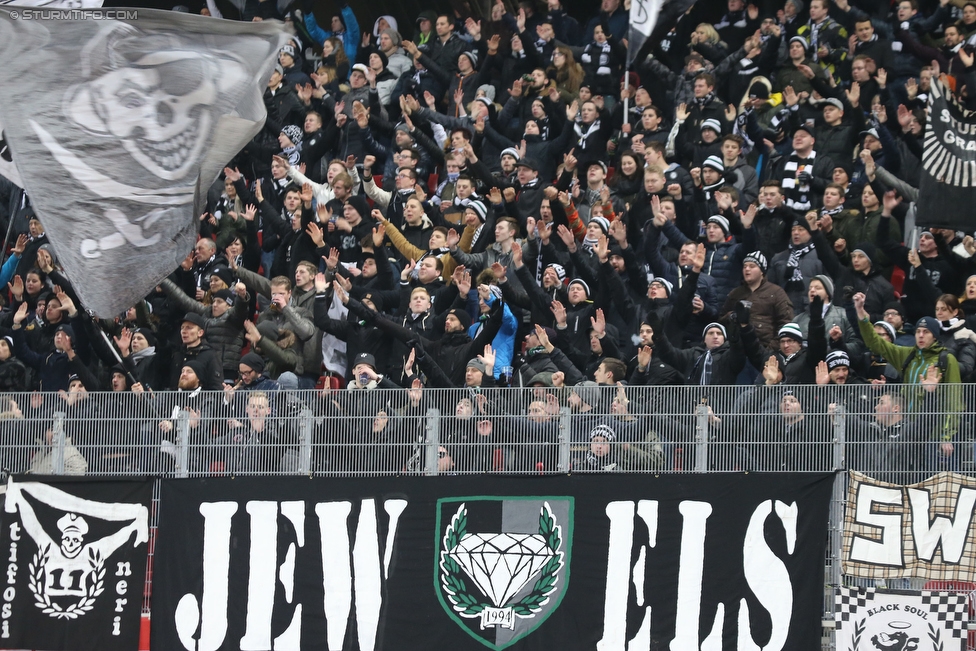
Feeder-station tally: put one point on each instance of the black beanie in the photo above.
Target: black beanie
(358, 203)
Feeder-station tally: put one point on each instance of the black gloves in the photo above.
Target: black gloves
(816, 308)
(805, 178)
(742, 313)
(654, 321)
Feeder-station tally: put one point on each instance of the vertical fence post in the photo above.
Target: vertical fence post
(57, 443)
(305, 442)
(563, 440)
(701, 438)
(433, 443)
(183, 444)
(836, 523)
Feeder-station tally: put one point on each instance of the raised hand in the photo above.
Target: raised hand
(823, 375)
(21, 245)
(379, 234)
(517, 254)
(124, 341)
(599, 324)
(567, 237)
(232, 175)
(499, 270)
(340, 291)
(559, 312)
(644, 356)
(16, 287)
(314, 231)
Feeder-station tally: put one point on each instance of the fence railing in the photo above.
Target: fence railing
(897, 433)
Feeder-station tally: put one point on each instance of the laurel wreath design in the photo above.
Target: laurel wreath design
(858, 629)
(95, 585)
(936, 636)
(452, 577)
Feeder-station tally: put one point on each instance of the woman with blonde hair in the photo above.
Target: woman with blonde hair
(567, 74)
(706, 41)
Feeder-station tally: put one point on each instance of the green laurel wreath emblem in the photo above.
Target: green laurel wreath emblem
(456, 588)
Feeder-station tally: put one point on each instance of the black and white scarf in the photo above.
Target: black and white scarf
(798, 195)
(831, 212)
(703, 101)
(584, 136)
(603, 58)
(794, 263)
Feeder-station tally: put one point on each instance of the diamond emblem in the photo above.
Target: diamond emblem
(501, 564)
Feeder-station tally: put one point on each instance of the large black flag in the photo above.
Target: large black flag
(118, 156)
(947, 192)
(650, 20)
(75, 564)
(614, 562)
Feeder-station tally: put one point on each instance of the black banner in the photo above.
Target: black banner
(947, 191)
(75, 563)
(612, 562)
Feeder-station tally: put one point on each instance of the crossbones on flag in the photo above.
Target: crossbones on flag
(118, 161)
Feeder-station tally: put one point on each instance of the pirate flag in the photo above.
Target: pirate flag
(121, 159)
(75, 564)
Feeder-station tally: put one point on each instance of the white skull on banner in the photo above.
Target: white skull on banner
(161, 119)
(155, 98)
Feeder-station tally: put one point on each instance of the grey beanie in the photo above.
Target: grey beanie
(489, 91)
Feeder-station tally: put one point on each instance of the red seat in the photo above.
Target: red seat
(432, 183)
(898, 280)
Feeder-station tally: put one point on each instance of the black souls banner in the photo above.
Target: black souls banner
(947, 190)
(611, 562)
(75, 563)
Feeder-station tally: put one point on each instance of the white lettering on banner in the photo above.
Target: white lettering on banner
(264, 571)
(952, 533)
(887, 551)
(10, 591)
(766, 576)
(212, 621)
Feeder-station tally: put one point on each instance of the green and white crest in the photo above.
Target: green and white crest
(502, 585)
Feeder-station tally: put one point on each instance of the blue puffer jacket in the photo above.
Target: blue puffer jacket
(504, 341)
(350, 38)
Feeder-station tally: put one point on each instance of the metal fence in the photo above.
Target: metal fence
(897, 433)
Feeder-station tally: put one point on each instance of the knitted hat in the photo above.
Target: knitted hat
(479, 208)
(827, 283)
(758, 259)
(802, 41)
(715, 163)
(890, 329)
(473, 56)
(837, 358)
(149, 335)
(802, 223)
(603, 223)
(930, 323)
(605, 431)
(197, 367)
(226, 295)
(867, 249)
(663, 282)
(293, 133)
(713, 124)
(68, 330)
(289, 50)
(758, 90)
(224, 273)
(50, 251)
(359, 204)
(582, 283)
(462, 316)
(896, 306)
(792, 331)
(510, 151)
(559, 269)
(489, 91)
(477, 364)
(715, 324)
(721, 221)
(254, 362)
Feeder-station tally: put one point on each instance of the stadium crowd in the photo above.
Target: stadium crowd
(445, 202)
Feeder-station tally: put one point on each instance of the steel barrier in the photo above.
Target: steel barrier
(897, 433)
